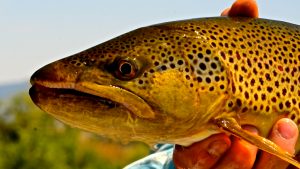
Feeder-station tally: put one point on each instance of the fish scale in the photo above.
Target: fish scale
(173, 82)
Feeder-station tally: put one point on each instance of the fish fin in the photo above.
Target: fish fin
(230, 125)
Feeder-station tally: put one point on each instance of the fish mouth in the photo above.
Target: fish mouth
(80, 109)
(107, 95)
(38, 92)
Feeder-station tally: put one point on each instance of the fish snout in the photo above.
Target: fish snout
(55, 75)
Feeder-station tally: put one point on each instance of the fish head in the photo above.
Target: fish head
(126, 88)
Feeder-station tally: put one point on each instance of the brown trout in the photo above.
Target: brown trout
(180, 82)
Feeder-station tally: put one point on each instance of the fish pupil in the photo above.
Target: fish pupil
(125, 68)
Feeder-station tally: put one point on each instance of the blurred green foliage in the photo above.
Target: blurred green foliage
(31, 139)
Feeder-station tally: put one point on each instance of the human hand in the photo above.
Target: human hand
(222, 151)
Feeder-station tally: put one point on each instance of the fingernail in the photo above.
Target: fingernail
(217, 148)
(286, 128)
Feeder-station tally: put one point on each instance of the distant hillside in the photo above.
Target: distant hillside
(8, 90)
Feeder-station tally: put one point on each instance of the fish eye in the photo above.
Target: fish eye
(126, 69)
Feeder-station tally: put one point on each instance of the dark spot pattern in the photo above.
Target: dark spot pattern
(258, 68)
(255, 62)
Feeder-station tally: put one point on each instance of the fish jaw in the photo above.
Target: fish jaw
(72, 94)
(83, 110)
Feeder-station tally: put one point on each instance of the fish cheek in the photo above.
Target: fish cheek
(172, 95)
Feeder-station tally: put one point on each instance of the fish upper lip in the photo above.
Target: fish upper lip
(55, 85)
(130, 100)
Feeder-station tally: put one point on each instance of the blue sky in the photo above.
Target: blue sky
(34, 33)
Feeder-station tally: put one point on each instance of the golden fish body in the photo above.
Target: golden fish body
(176, 82)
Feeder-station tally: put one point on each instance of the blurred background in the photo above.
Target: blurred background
(34, 33)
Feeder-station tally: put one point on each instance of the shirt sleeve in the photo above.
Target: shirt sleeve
(160, 159)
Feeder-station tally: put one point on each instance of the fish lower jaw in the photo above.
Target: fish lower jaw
(187, 141)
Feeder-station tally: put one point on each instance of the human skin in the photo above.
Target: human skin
(221, 151)
(247, 8)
